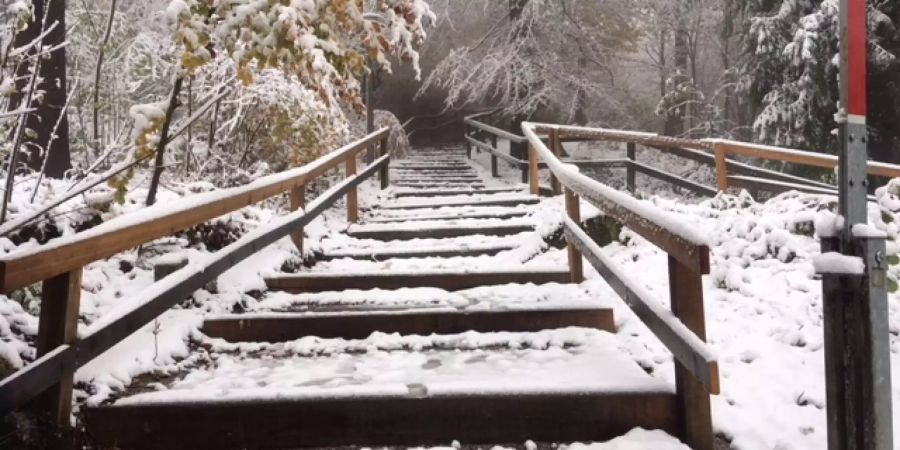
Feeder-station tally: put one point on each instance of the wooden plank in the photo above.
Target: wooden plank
(508, 158)
(686, 346)
(432, 167)
(661, 229)
(686, 295)
(778, 187)
(352, 198)
(424, 179)
(377, 421)
(534, 178)
(448, 280)
(800, 157)
(556, 148)
(289, 327)
(516, 201)
(453, 192)
(298, 201)
(58, 325)
(721, 168)
(42, 374)
(438, 232)
(573, 211)
(609, 163)
(741, 168)
(631, 153)
(472, 214)
(24, 268)
(30, 381)
(477, 185)
(384, 174)
(679, 181)
(495, 169)
(383, 255)
(503, 134)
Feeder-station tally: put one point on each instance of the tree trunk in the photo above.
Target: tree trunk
(675, 116)
(158, 166)
(52, 71)
(516, 9)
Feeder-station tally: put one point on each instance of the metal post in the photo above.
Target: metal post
(857, 353)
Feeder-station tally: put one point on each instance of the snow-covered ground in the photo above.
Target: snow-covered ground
(763, 305)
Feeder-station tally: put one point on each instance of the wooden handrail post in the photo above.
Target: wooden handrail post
(468, 132)
(352, 202)
(573, 210)
(298, 200)
(384, 173)
(695, 418)
(534, 178)
(58, 325)
(495, 169)
(721, 167)
(556, 148)
(526, 168)
(631, 154)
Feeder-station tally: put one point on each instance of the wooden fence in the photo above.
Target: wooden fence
(47, 382)
(682, 330)
(713, 153)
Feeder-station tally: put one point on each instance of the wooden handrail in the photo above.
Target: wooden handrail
(65, 254)
(794, 156)
(470, 120)
(683, 329)
(28, 382)
(663, 229)
(684, 344)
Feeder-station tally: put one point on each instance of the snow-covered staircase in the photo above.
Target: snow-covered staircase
(418, 326)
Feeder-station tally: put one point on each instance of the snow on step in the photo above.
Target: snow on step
(446, 251)
(450, 214)
(450, 279)
(440, 180)
(450, 192)
(591, 294)
(441, 185)
(523, 248)
(492, 200)
(571, 384)
(343, 242)
(278, 327)
(441, 229)
(564, 361)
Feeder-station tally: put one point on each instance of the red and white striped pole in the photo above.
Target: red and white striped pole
(854, 137)
(857, 346)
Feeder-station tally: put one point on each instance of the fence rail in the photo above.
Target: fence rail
(61, 352)
(683, 329)
(713, 153)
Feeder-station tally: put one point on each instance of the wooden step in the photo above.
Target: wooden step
(483, 201)
(268, 327)
(395, 232)
(432, 185)
(438, 179)
(433, 167)
(474, 214)
(410, 417)
(433, 252)
(452, 192)
(448, 280)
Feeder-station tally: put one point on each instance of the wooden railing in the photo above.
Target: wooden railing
(682, 330)
(714, 153)
(58, 265)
